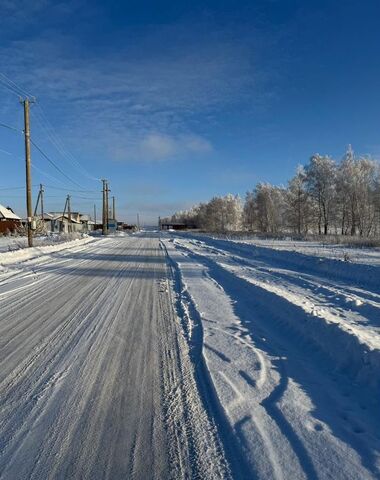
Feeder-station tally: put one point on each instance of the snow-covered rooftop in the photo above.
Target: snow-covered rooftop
(7, 214)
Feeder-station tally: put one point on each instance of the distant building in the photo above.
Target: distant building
(57, 222)
(176, 226)
(9, 221)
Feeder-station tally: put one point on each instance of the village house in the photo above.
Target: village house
(57, 222)
(9, 221)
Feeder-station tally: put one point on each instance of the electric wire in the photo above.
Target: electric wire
(47, 175)
(13, 188)
(71, 190)
(46, 125)
(8, 87)
(54, 165)
(10, 127)
(14, 85)
(5, 151)
(42, 118)
(17, 90)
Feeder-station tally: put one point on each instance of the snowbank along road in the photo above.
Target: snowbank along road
(181, 357)
(292, 346)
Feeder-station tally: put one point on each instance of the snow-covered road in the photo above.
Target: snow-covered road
(96, 380)
(292, 347)
(183, 357)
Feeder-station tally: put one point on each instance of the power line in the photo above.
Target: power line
(4, 151)
(15, 196)
(85, 198)
(48, 175)
(58, 143)
(10, 127)
(8, 87)
(71, 190)
(15, 188)
(54, 165)
(14, 85)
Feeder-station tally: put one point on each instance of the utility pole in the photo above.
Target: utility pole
(69, 213)
(37, 203)
(104, 219)
(107, 206)
(40, 200)
(29, 207)
(42, 203)
(95, 214)
(63, 215)
(113, 208)
(138, 222)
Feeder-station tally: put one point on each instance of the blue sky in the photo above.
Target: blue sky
(175, 102)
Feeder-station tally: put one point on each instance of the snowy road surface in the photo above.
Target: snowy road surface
(95, 378)
(292, 347)
(185, 357)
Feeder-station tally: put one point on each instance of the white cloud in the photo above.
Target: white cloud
(156, 146)
(160, 147)
(128, 106)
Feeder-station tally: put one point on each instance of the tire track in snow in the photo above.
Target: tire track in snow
(332, 448)
(92, 352)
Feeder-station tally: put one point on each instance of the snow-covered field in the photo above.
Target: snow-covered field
(366, 255)
(370, 256)
(188, 357)
(291, 343)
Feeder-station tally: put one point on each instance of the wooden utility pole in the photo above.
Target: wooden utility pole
(70, 228)
(37, 203)
(107, 206)
(42, 202)
(138, 222)
(95, 214)
(113, 209)
(29, 207)
(104, 219)
(63, 215)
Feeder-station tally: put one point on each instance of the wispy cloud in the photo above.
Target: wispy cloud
(161, 147)
(130, 106)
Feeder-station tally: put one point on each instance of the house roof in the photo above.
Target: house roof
(59, 216)
(8, 214)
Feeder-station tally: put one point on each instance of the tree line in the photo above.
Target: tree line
(323, 197)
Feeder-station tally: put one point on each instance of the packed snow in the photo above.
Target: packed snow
(341, 252)
(96, 381)
(292, 346)
(184, 356)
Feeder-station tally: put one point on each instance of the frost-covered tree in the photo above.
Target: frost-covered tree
(355, 185)
(325, 196)
(364, 186)
(298, 207)
(343, 186)
(270, 206)
(376, 201)
(321, 185)
(232, 209)
(249, 212)
(221, 214)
